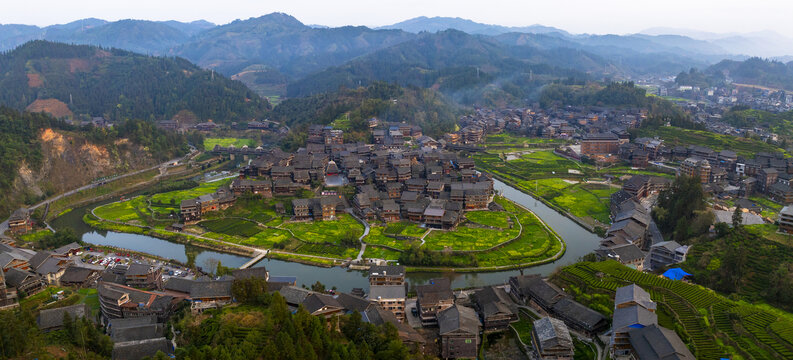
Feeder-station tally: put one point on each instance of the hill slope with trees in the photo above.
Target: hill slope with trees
(119, 84)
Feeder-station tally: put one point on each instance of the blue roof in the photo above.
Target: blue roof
(675, 274)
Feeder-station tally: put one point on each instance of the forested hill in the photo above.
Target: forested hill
(353, 107)
(41, 156)
(753, 71)
(756, 71)
(469, 68)
(282, 42)
(75, 80)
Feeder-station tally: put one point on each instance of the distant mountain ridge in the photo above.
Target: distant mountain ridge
(438, 23)
(761, 43)
(135, 35)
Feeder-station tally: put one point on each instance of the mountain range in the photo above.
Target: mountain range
(277, 55)
(435, 24)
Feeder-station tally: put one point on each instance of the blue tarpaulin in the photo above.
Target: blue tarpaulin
(676, 274)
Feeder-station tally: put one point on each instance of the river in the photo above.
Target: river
(579, 242)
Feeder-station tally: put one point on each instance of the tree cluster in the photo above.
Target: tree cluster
(79, 338)
(416, 255)
(681, 212)
(742, 263)
(274, 332)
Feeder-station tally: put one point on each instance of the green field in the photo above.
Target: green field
(377, 237)
(524, 327)
(233, 227)
(535, 243)
(674, 136)
(495, 219)
(405, 229)
(34, 236)
(374, 252)
(268, 238)
(326, 231)
(209, 143)
(130, 211)
(172, 199)
(713, 326)
(327, 250)
(468, 238)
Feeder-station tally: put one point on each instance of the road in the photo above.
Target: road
(360, 239)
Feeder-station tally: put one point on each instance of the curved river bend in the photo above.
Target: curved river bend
(579, 242)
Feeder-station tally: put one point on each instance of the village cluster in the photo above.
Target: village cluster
(394, 182)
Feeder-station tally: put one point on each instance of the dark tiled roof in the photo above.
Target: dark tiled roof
(210, 289)
(633, 315)
(39, 258)
(354, 303)
(68, 247)
(15, 277)
(655, 342)
(551, 333)
(437, 290)
(315, 302)
(53, 318)
(136, 269)
(136, 350)
(582, 314)
(50, 266)
(178, 284)
(634, 293)
(259, 272)
(492, 300)
(136, 333)
(389, 270)
(539, 289)
(627, 252)
(76, 274)
(386, 292)
(456, 318)
(131, 322)
(294, 295)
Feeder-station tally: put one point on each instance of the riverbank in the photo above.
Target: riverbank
(180, 238)
(577, 220)
(536, 245)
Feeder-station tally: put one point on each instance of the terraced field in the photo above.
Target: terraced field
(737, 328)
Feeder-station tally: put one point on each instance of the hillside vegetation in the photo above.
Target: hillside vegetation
(118, 84)
(471, 69)
(426, 108)
(41, 156)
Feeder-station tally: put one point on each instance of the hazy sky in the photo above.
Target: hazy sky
(578, 16)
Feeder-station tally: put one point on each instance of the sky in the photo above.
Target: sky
(577, 16)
